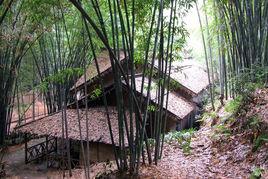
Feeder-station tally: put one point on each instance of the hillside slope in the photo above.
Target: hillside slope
(236, 146)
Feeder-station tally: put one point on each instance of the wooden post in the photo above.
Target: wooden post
(47, 150)
(33, 91)
(56, 143)
(33, 112)
(98, 152)
(25, 139)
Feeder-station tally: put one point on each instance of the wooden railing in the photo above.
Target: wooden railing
(40, 150)
(2, 170)
(61, 161)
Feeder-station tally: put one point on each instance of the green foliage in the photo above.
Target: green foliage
(249, 80)
(61, 77)
(160, 81)
(254, 122)
(259, 141)
(229, 120)
(151, 142)
(222, 129)
(173, 85)
(26, 75)
(147, 72)
(240, 51)
(143, 17)
(152, 87)
(65, 75)
(96, 93)
(40, 9)
(152, 108)
(234, 105)
(182, 137)
(208, 115)
(256, 173)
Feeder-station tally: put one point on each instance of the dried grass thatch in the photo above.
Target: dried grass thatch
(104, 64)
(189, 74)
(177, 105)
(97, 125)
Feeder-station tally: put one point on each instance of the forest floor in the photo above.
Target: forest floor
(228, 145)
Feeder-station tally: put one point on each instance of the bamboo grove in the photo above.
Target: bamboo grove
(236, 37)
(243, 43)
(59, 50)
(18, 33)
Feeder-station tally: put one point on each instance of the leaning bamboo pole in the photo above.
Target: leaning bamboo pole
(206, 57)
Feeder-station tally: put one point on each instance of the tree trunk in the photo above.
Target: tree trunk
(3, 116)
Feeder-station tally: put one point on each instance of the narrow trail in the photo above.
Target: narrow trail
(204, 161)
(176, 164)
(217, 156)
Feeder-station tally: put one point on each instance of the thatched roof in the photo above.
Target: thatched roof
(177, 105)
(189, 74)
(97, 125)
(104, 64)
(192, 76)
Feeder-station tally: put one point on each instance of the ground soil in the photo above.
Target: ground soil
(205, 161)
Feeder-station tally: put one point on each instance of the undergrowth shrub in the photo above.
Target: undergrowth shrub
(208, 115)
(256, 173)
(250, 79)
(254, 122)
(221, 131)
(259, 141)
(234, 105)
(96, 93)
(182, 137)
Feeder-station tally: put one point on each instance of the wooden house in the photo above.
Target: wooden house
(94, 128)
(179, 110)
(191, 78)
(92, 81)
(184, 98)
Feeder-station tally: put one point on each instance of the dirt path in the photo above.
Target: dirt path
(203, 162)
(220, 155)
(176, 164)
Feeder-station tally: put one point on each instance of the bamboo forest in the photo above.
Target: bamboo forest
(133, 89)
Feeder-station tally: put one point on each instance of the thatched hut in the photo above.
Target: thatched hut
(98, 135)
(92, 79)
(183, 99)
(179, 110)
(191, 79)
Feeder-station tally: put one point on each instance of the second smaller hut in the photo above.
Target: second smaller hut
(180, 112)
